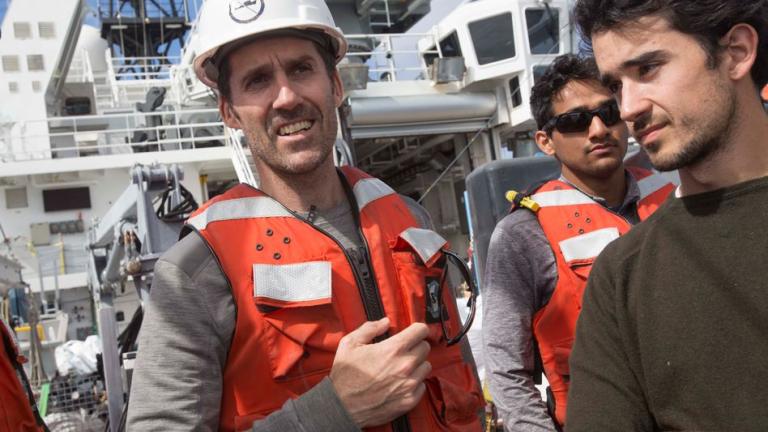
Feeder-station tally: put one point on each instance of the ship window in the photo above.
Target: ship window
(543, 30)
(514, 90)
(538, 71)
(46, 29)
(36, 86)
(16, 198)
(22, 30)
(449, 47)
(66, 199)
(493, 39)
(35, 62)
(13, 87)
(10, 63)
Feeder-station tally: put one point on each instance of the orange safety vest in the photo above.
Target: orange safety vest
(16, 409)
(577, 228)
(297, 294)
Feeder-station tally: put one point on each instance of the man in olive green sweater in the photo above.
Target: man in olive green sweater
(673, 334)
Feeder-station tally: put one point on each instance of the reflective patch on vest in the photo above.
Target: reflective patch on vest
(651, 184)
(587, 245)
(292, 285)
(426, 243)
(561, 198)
(369, 190)
(242, 208)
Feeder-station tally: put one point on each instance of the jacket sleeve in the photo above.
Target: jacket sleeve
(605, 394)
(520, 274)
(183, 346)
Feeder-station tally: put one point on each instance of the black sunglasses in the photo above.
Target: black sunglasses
(579, 121)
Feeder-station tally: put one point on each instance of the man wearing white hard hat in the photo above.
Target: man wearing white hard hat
(302, 305)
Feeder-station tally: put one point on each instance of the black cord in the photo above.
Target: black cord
(178, 213)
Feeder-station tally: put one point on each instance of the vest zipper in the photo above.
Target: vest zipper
(366, 283)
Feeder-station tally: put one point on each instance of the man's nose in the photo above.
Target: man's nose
(632, 103)
(598, 129)
(287, 97)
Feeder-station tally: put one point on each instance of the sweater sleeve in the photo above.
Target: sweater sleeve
(183, 346)
(605, 394)
(520, 275)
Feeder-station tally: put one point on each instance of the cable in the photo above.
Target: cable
(177, 213)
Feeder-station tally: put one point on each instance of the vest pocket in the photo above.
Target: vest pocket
(419, 287)
(302, 327)
(454, 405)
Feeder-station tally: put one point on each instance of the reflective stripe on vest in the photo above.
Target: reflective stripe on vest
(561, 198)
(370, 189)
(587, 245)
(308, 283)
(647, 186)
(426, 243)
(242, 208)
(366, 191)
(651, 184)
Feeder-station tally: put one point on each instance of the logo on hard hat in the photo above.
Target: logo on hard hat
(245, 11)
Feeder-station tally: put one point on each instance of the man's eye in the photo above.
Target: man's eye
(614, 87)
(303, 68)
(646, 69)
(255, 81)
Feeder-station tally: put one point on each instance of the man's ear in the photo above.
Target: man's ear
(338, 88)
(740, 45)
(544, 142)
(228, 114)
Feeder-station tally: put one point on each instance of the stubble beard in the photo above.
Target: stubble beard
(263, 146)
(710, 136)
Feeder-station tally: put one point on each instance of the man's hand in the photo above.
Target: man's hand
(378, 382)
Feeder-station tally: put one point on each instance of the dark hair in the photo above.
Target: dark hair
(705, 20)
(225, 70)
(564, 69)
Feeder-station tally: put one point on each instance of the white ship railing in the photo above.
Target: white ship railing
(394, 56)
(109, 134)
(143, 68)
(80, 70)
(243, 168)
(389, 57)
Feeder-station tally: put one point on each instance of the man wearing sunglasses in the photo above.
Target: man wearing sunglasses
(540, 255)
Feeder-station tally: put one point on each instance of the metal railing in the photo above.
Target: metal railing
(240, 159)
(109, 134)
(80, 70)
(142, 68)
(394, 56)
(147, 9)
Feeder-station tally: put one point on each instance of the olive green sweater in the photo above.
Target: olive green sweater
(674, 330)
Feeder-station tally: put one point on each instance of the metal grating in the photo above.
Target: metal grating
(16, 198)
(74, 403)
(35, 62)
(46, 29)
(22, 30)
(10, 63)
(13, 87)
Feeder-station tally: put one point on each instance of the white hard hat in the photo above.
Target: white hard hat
(222, 22)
